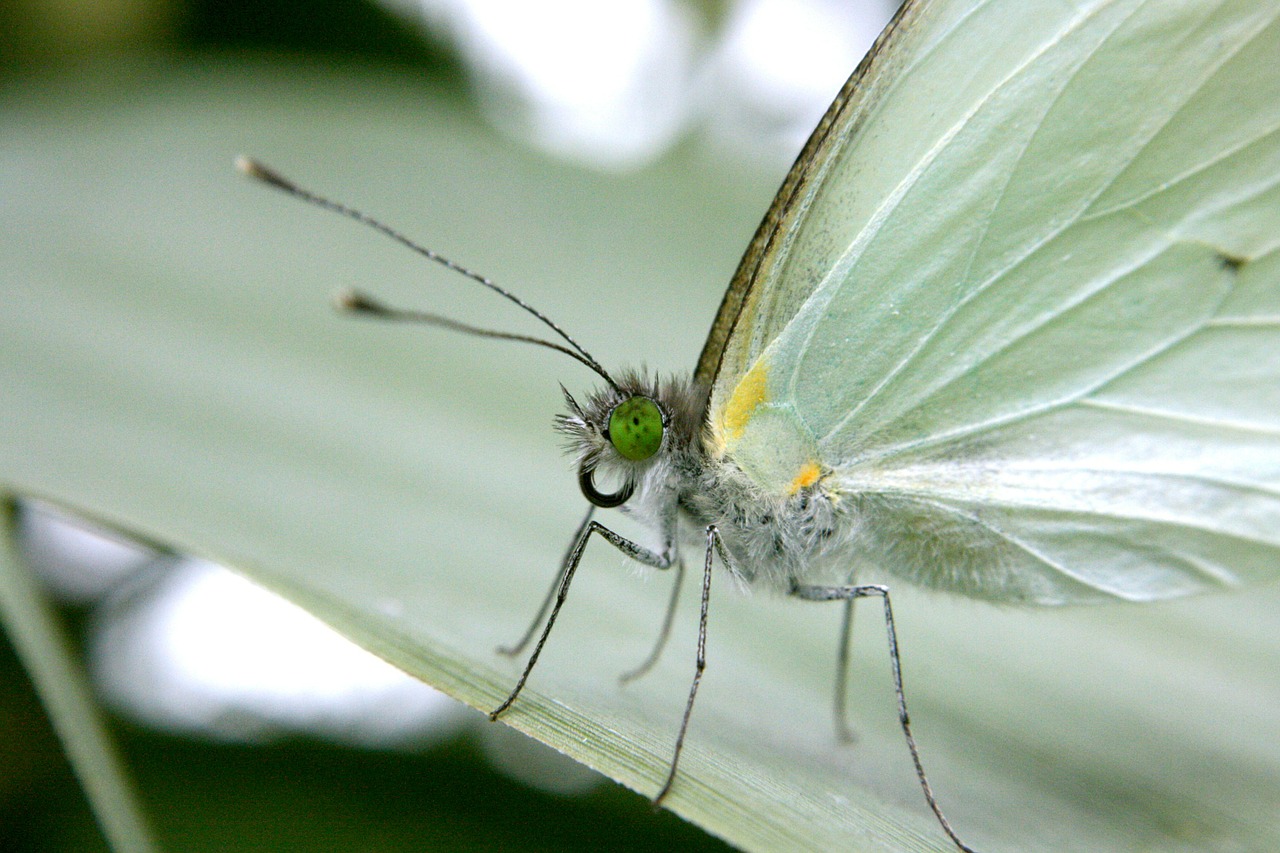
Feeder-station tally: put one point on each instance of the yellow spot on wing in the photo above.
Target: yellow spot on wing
(809, 474)
(752, 390)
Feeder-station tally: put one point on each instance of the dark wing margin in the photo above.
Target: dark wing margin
(785, 204)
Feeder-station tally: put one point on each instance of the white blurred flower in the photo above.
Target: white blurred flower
(605, 83)
(614, 84)
(205, 651)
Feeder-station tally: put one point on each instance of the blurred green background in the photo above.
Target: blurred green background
(299, 792)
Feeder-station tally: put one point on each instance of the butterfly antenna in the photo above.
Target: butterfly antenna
(359, 303)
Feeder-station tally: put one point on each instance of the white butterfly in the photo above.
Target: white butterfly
(956, 350)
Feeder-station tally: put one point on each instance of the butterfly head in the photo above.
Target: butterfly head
(620, 432)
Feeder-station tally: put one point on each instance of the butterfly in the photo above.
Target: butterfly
(955, 351)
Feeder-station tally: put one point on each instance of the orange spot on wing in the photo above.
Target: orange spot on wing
(809, 474)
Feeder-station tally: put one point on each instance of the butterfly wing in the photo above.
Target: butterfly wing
(1024, 307)
(760, 301)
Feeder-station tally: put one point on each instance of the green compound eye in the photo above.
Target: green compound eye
(635, 428)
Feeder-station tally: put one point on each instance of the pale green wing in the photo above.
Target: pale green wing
(1042, 352)
(760, 300)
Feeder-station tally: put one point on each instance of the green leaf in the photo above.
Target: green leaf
(169, 363)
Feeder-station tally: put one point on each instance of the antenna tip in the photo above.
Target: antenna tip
(355, 302)
(252, 168)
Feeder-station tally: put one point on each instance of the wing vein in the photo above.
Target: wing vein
(967, 510)
(1033, 411)
(1212, 161)
(1179, 417)
(1264, 322)
(1093, 583)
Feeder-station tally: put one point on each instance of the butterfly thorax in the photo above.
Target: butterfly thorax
(683, 487)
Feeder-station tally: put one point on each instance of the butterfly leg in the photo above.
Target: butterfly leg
(665, 633)
(844, 732)
(663, 560)
(714, 544)
(848, 594)
(519, 646)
